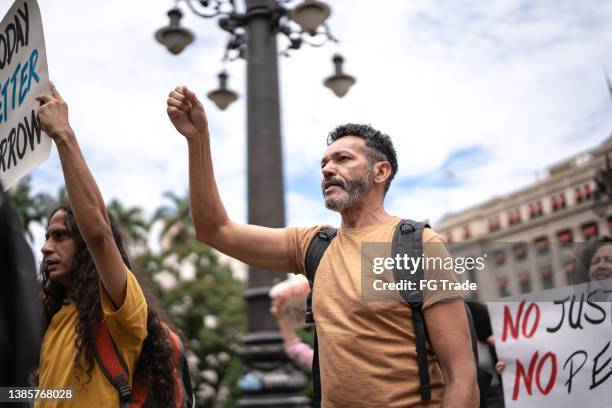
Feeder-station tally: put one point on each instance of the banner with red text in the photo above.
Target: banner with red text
(557, 346)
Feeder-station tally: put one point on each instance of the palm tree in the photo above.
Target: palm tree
(132, 220)
(178, 227)
(31, 208)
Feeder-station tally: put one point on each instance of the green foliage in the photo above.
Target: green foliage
(307, 336)
(31, 208)
(207, 307)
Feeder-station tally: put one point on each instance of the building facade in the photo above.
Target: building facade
(531, 236)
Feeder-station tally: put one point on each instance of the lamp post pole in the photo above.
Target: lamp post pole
(263, 351)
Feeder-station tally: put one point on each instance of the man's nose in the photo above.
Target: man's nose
(46, 249)
(328, 170)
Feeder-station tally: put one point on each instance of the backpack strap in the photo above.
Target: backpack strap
(316, 374)
(407, 240)
(183, 379)
(112, 365)
(315, 252)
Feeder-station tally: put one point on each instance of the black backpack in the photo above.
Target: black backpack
(407, 240)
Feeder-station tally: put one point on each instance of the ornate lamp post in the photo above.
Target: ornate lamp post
(269, 380)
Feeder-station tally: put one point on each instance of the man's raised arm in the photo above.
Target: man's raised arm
(258, 246)
(85, 198)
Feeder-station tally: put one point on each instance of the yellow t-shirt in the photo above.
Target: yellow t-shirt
(367, 352)
(128, 328)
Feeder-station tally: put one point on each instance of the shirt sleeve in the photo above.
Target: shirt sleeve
(297, 240)
(127, 324)
(299, 352)
(438, 268)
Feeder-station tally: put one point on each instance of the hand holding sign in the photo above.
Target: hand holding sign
(53, 114)
(187, 113)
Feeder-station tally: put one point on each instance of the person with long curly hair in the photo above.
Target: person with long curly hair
(88, 279)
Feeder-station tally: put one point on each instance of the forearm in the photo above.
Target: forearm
(85, 197)
(461, 393)
(207, 209)
(286, 330)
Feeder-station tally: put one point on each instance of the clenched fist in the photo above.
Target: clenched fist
(187, 113)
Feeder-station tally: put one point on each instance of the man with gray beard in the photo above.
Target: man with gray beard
(367, 350)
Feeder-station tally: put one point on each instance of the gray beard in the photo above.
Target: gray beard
(351, 195)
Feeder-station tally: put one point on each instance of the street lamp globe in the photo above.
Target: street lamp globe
(174, 37)
(310, 14)
(339, 82)
(222, 97)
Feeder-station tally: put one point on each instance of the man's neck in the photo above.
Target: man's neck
(364, 216)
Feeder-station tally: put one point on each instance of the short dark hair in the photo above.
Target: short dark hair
(379, 144)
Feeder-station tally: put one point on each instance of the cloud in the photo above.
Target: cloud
(522, 82)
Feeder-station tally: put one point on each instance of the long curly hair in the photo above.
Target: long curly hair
(155, 365)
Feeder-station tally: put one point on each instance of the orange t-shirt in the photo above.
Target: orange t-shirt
(367, 351)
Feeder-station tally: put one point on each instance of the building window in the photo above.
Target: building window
(502, 287)
(542, 245)
(466, 232)
(586, 192)
(590, 231)
(524, 282)
(565, 237)
(568, 270)
(558, 202)
(514, 217)
(536, 210)
(494, 224)
(547, 277)
(520, 251)
(578, 195)
(499, 257)
(582, 193)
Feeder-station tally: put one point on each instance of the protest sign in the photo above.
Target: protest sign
(23, 76)
(556, 345)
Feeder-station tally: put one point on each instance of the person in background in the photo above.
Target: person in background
(595, 261)
(486, 352)
(295, 348)
(288, 305)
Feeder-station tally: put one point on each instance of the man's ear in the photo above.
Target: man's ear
(382, 171)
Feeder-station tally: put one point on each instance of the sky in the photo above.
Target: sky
(477, 96)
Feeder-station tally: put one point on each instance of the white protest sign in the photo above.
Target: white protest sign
(557, 346)
(23, 76)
